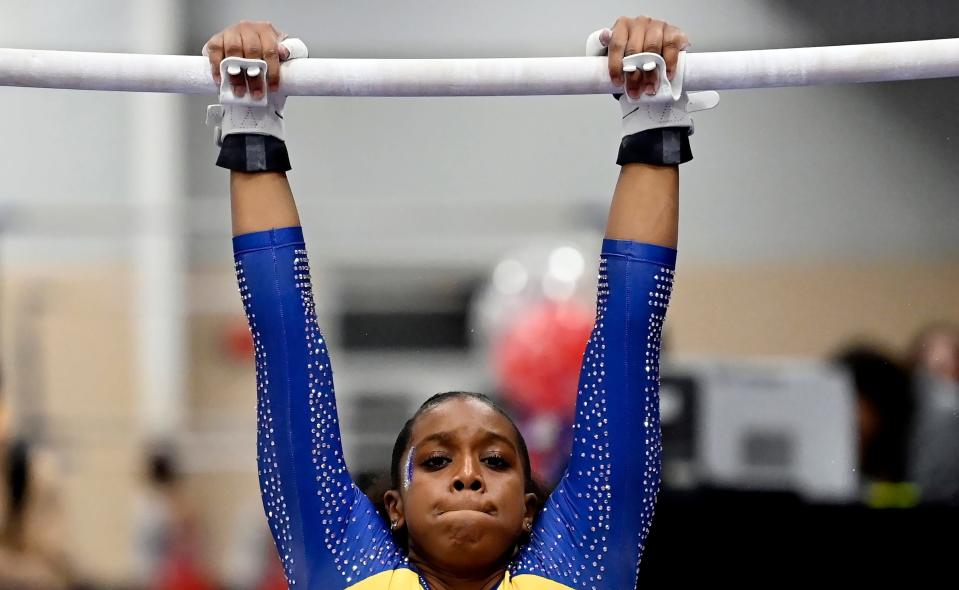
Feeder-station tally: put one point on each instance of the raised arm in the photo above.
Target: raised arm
(592, 531)
(261, 201)
(326, 531)
(645, 205)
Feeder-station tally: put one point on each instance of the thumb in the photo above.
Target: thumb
(597, 41)
(292, 48)
(701, 101)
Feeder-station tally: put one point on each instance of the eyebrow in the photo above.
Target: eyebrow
(446, 437)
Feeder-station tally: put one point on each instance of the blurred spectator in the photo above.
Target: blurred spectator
(935, 352)
(31, 537)
(253, 562)
(165, 531)
(934, 461)
(885, 410)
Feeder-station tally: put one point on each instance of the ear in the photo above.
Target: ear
(393, 501)
(531, 502)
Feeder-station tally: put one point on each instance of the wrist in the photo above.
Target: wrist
(666, 146)
(249, 152)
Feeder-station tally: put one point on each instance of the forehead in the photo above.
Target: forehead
(465, 417)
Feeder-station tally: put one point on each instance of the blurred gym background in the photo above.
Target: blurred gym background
(811, 390)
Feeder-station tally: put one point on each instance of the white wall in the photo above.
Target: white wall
(858, 173)
(799, 174)
(65, 145)
(69, 156)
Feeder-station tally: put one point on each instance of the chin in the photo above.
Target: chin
(478, 538)
(467, 527)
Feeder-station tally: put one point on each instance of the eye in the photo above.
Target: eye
(497, 462)
(435, 462)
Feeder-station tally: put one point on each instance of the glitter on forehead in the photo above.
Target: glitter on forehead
(408, 470)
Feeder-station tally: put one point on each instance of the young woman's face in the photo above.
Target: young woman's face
(463, 497)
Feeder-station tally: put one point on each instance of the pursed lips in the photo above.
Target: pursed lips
(472, 508)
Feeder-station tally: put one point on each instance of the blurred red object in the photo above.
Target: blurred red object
(238, 341)
(538, 357)
(182, 573)
(273, 579)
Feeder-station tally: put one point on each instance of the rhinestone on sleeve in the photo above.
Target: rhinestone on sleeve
(580, 536)
(271, 484)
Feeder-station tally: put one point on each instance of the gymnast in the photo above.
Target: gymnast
(463, 511)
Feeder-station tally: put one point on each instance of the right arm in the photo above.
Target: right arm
(328, 534)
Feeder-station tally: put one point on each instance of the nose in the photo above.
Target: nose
(468, 477)
(460, 484)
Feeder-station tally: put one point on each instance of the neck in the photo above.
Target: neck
(444, 579)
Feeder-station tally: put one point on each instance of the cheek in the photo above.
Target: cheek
(422, 495)
(510, 493)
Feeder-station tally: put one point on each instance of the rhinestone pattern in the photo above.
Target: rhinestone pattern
(605, 501)
(271, 483)
(327, 532)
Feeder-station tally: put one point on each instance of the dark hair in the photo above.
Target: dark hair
(162, 469)
(16, 484)
(531, 486)
(883, 383)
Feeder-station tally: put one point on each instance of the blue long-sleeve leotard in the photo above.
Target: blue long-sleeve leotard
(591, 532)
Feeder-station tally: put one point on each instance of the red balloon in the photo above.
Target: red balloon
(538, 357)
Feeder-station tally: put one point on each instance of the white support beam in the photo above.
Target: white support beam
(157, 187)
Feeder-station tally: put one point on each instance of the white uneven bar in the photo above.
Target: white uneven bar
(882, 62)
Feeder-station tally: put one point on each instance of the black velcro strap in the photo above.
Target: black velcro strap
(249, 152)
(667, 146)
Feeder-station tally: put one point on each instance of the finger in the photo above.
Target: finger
(597, 41)
(637, 39)
(284, 52)
(233, 47)
(617, 47)
(653, 43)
(604, 37)
(293, 48)
(674, 41)
(252, 49)
(271, 54)
(214, 52)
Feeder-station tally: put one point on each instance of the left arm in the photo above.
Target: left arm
(261, 201)
(594, 526)
(645, 205)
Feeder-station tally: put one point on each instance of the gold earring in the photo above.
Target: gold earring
(393, 525)
(528, 525)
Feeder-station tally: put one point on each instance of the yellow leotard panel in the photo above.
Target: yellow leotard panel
(531, 582)
(404, 579)
(398, 579)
